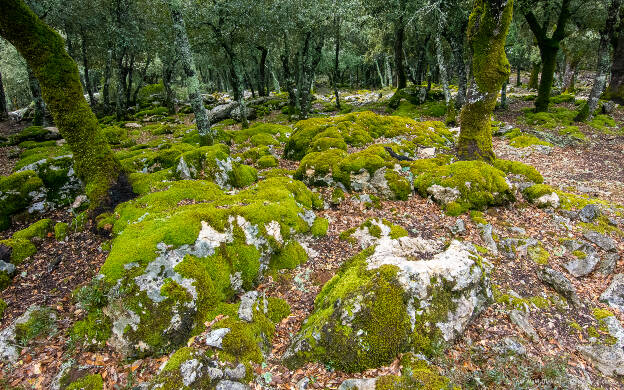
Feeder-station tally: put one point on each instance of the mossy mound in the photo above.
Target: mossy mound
(143, 158)
(370, 170)
(87, 382)
(34, 133)
(361, 128)
(181, 251)
(465, 185)
(555, 117)
(416, 373)
(17, 191)
(371, 231)
(397, 296)
(261, 134)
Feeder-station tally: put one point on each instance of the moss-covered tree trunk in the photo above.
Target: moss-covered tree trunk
(44, 51)
(549, 47)
(188, 64)
(487, 32)
(534, 77)
(4, 112)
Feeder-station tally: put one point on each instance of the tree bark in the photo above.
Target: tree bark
(615, 91)
(85, 65)
(399, 64)
(4, 112)
(549, 47)
(107, 80)
(35, 91)
(487, 31)
(337, 61)
(167, 75)
(44, 51)
(262, 90)
(192, 81)
(602, 68)
(534, 77)
(458, 54)
(518, 81)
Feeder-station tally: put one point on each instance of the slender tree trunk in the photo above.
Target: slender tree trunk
(120, 104)
(192, 81)
(568, 72)
(487, 33)
(534, 78)
(262, 90)
(167, 75)
(35, 91)
(442, 68)
(518, 81)
(604, 61)
(4, 112)
(458, 54)
(336, 61)
(107, 80)
(615, 91)
(130, 72)
(388, 72)
(381, 78)
(141, 80)
(399, 62)
(310, 64)
(504, 95)
(549, 63)
(85, 64)
(41, 46)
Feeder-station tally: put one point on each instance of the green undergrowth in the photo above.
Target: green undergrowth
(375, 228)
(435, 109)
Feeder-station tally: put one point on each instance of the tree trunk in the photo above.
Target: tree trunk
(107, 80)
(85, 64)
(192, 81)
(458, 54)
(130, 72)
(310, 63)
(518, 81)
(381, 78)
(262, 90)
(167, 75)
(389, 80)
(549, 47)
(487, 33)
(41, 46)
(141, 81)
(534, 78)
(337, 61)
(399, 64)
(602, 68)
(35, 91)
(615, 91)
(504, 95)
(4, 112)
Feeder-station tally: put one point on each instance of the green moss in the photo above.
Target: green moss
(60, 231)
(158, 111)
(524, 141)
(5, 280)
(267, 162)
(603, 123)
(538, 254)
(40, 323)
(579, 254)
(79, 222)
(91, 332)
(278, 309)
(415, 374)
(337, 196)
(14, 194)
(243, 176)
(399, 185)
(600, 314)
(575, 326)
(319, 227)
(38, 229)
(555, 117)
(562, 98)
(289, 257)
(480, 184)
(3, 306)
(21, 249)
(88, 382)
(573, 132)
(536, 191)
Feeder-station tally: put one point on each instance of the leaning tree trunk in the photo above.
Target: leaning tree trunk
(192, 81)
(35, 91)
(44, 51)
(487, 32)
(602, 68)
(4, 112)
(381, 77)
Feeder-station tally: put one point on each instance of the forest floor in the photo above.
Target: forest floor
(593, 168)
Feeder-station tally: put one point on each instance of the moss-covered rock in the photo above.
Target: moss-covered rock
(34, 133)
(87, 382)
(20, 249)
(38, 229)
(60, 231)
(17, 191)
(181, 251)
(360, 128)
(416, 373)
(371, 231)
(465, 185)
(3, 306)
(40, 322)
(397, 296)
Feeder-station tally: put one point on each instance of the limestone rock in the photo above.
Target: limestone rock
(394, 291)
(580, 267)
(548, 200)
(559, 283)
(589, 213)
(443, 195)
(609, 359)
(614, 294)
(358, 384)
(604, 242)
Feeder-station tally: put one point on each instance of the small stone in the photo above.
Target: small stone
(303, 383)
(609, 359)
(614, 294)
(443, 195)
(486, 235)
(245, 310)
(517, 231)
(231, 385)
(80, 199)
(589, 213)
(607, 263)
(548, 200)
(236, 373)
(427, 153)
(458, 228)
(215, 337)
(521, 321)
(514, 346)
(582, 267)
(7, 267)
(133, 125)
(601, 240)
(214, 373)
(358, 384)
(559, 283)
